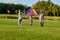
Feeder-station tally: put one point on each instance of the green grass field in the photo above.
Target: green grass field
(9, 30)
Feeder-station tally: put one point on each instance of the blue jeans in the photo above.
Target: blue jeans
(20, 20)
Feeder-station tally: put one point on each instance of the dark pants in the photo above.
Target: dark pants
(31, 20)
(41, 19)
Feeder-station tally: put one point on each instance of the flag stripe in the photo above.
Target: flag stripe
(30, 12)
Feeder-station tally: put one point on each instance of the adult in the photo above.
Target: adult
(41, 18)
(31, 12)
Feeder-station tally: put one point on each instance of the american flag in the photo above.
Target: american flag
(31, 12)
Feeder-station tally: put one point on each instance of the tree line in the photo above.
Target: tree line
(10, 8)
(49, 8)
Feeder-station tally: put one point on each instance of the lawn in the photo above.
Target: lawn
(9, 30)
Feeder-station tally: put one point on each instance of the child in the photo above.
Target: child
(19, 17)
(31, 12)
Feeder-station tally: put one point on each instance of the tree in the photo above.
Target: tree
(49, 1)
(10, 8)
(49, 7)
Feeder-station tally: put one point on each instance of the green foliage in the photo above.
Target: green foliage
(5, 7)
(48, 7)
(8, 16)
(15, 16)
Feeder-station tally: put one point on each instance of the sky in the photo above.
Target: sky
(27, 2)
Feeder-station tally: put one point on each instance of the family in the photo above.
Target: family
(31, 12)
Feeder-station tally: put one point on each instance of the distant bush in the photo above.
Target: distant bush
(25, 17)
(15, 17)
(8, 17)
